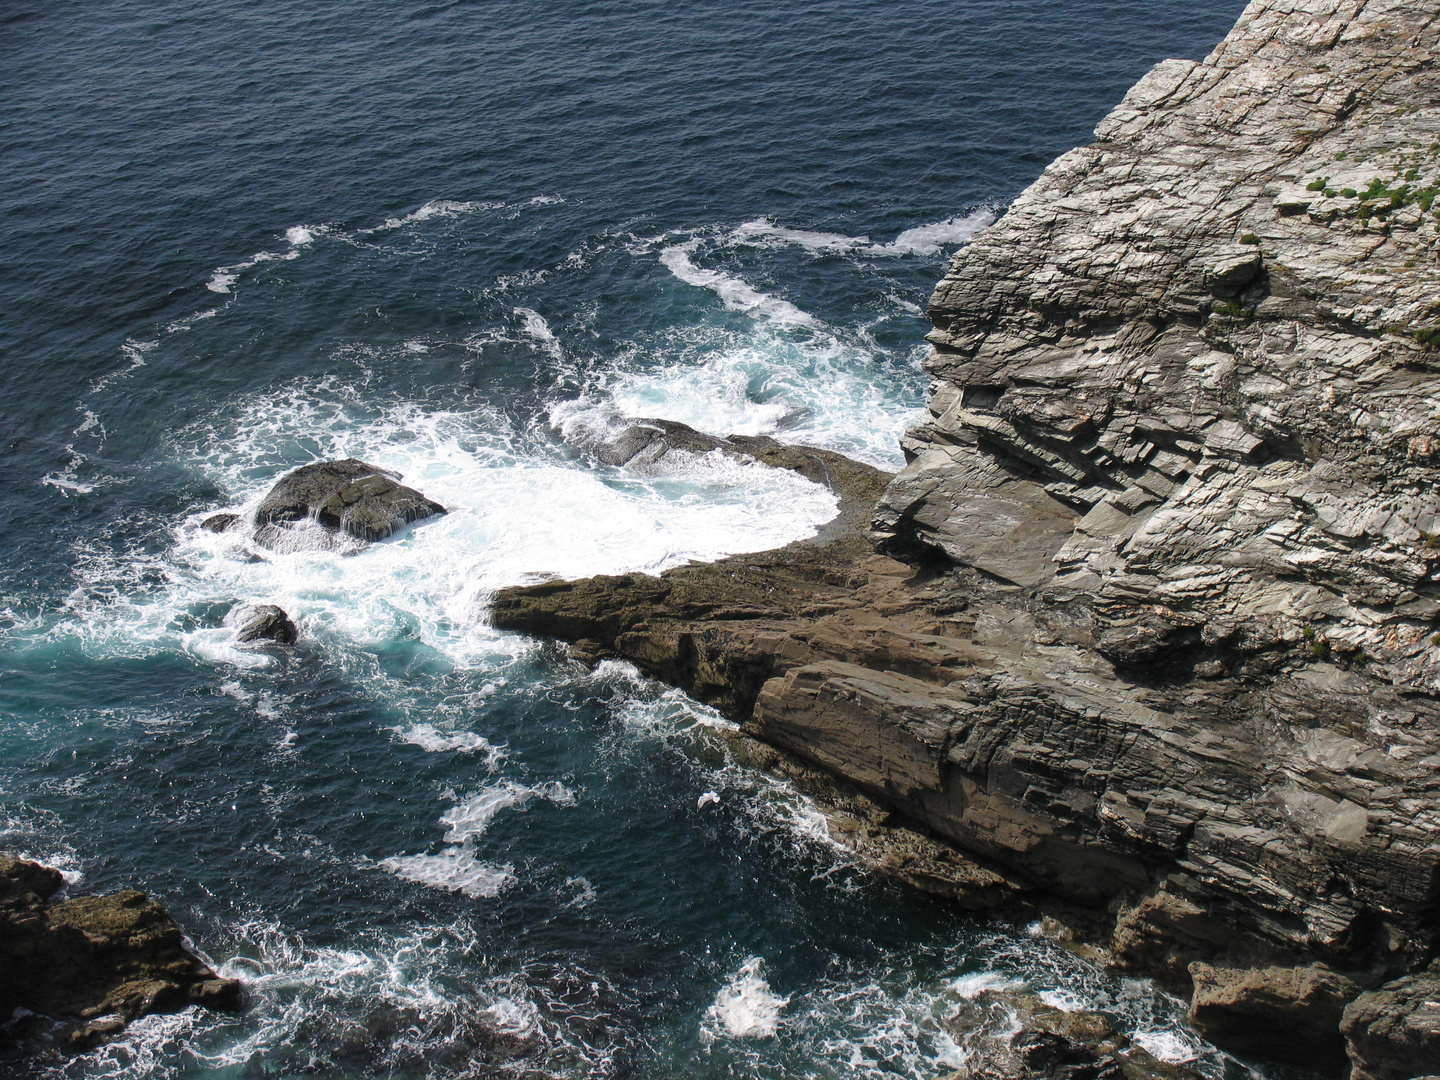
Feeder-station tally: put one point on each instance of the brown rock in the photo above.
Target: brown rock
(219, 523)
(316, 504)
(1013, 1035)
(98, 961)
(262, 622)
(1393, 1033)
(1287, 1015)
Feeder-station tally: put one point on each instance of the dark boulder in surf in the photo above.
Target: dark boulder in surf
(262, 622)
(317, 505)
(219, 523)
(94, 962)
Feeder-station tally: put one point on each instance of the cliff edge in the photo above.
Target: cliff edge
(1185, 407)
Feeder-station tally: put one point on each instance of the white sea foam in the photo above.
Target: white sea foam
(822, 392)
(539, 330)
(1169, 1045)
(736, 294)
(929, 239)
(299, 237)
(516, 511)
(975, 983)
(585, 892)
(922, 240)
(473, 816)
(310, 1006)
(745, 1007)
(455, 869)
(134, 353)
(1064, 999)
(458, 868)
(435, 208)
(428, 737)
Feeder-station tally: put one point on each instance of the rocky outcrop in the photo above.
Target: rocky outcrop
(1154, 625)
(1289, 1015)
(1014, 1035)
(94, 962)
(219, 523)
(262, 622)
(320, 505)
(1393, 1033)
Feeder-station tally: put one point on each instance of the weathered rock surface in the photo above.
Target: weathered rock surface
(262, 622)
(1393, 1033)
(1184, 404)
(1014, 1035)
(316, 506)
(1164, 641)
(95, 962)
(1290, 1015)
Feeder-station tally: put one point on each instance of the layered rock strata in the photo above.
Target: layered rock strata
(1153, 626)
(94, 963)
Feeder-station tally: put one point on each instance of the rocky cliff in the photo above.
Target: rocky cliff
(1153, 627)
(1185, 409)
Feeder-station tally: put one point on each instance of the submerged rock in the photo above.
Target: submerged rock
(262, 622)
(317, 504)
(1286, 1015)
(1014, 1035)
(94, 962)
(1393, 1033)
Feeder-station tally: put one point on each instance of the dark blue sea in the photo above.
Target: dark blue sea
(447, 239)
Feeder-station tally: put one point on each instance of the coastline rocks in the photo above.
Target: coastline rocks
(262, 622)
(1286, 1015)
(1014, 1035)
(318, 505)
(1393, 1033)
(94, 962)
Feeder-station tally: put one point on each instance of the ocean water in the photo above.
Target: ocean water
(448, 239)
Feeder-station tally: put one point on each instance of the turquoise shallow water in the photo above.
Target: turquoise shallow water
(442, 238)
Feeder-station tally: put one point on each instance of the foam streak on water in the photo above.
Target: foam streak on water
(458, 868)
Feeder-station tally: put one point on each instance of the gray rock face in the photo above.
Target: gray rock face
(262, 622)
(1185, 408)
(316, 505)
(1394, 1033)
(1289, 1015)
